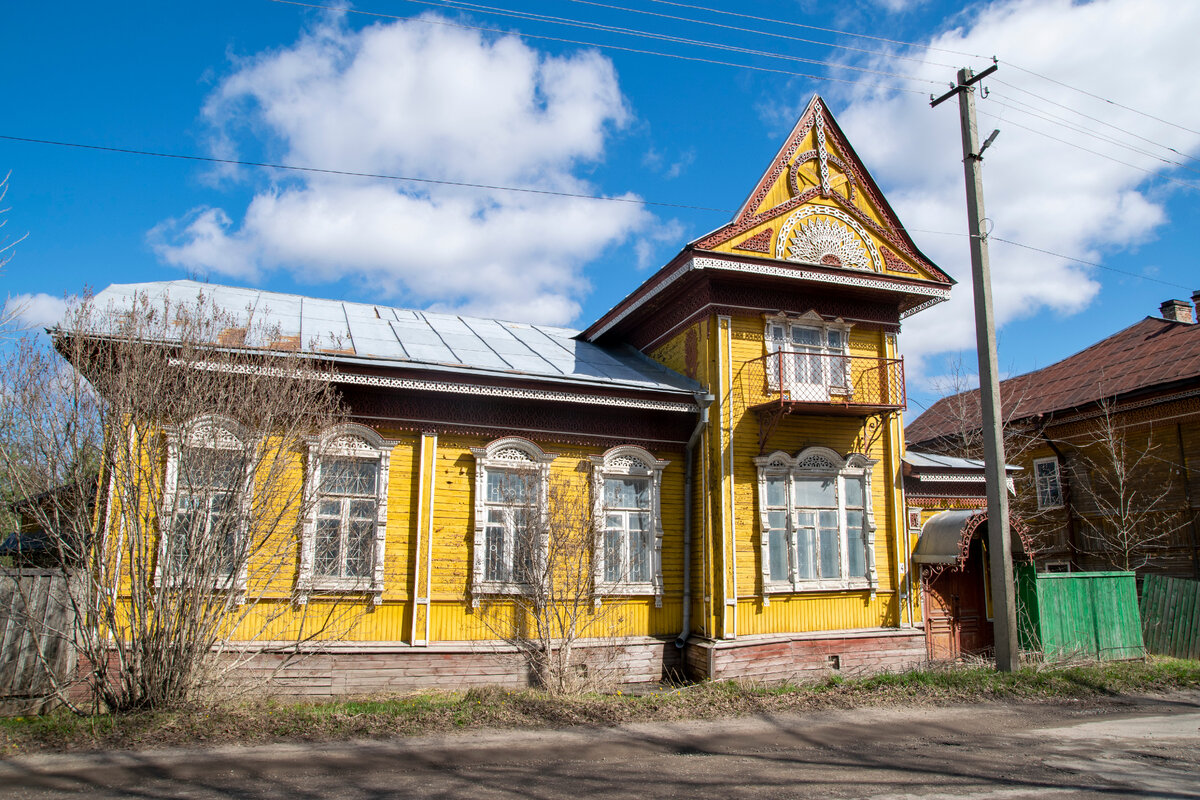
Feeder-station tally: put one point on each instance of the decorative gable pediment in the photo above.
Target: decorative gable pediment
(817, 204)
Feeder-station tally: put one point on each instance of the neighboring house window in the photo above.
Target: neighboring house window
(818, 530)
(205, 503)
(1046, 479)
(808, 357)
(346, 530)
(511, 484)
(626, 491)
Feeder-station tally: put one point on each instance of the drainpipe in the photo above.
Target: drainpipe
(703, 401)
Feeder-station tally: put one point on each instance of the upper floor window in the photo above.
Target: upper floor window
(346, 530)
(1046, 480)
(511, 483)
(808, 357)
(626, 490)
(205, 500)
(818, 531)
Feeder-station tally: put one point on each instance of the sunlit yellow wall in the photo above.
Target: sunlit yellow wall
(737, 345)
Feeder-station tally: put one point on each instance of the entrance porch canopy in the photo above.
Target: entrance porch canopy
(946, 537)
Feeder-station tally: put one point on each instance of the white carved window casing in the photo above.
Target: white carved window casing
(627, 518)
(345, 533)
(1047, 482)
(808, 357)
(206, 503)
(816, 522)
(511, 484)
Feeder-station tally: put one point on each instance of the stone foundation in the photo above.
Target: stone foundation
(369, 668)
(806, 656)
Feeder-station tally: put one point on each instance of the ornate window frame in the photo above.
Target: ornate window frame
(210, 431)
(628, 461)
(511, 453)
(837, 381)
(1048, 487)
(349, 440)
(815, 462)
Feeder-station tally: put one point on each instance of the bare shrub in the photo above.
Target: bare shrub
(162, 449)
(551, 613)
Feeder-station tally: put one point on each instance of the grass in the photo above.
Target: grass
(438, 712)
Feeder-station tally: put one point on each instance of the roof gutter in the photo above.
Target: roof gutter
(703, 401)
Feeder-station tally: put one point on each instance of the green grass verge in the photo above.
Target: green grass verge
(439, 712)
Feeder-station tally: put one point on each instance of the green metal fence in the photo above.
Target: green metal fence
(1079, 614)
(1171, 616)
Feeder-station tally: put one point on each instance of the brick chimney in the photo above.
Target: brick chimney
(1177, 310)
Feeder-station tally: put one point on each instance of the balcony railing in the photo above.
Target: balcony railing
(853, 383)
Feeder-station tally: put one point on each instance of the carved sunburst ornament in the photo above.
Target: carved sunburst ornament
(823, 241)
(827, 236)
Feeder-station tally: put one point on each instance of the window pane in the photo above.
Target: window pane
(493, 569)
(359, 546)
(806, 336)
(208, 467)
(330, 508)
(830, 557)
(362, 509)
(508, 487)
(777, 555)
(835, 340)
(776, 495)
(639, 556)
(326, 557)
(816, 492)
(627, 492)
(854, 492)
(856, 554)
(612, 555)
(805, 564)
(349, 476)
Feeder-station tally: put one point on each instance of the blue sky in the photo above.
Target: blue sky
(435, 97)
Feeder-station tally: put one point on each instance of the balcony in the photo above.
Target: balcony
(826, 383)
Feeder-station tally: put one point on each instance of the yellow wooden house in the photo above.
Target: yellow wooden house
(733, 423)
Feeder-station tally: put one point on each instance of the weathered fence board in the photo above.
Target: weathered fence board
(36, 629)
(1079, 614)
(1171, 616)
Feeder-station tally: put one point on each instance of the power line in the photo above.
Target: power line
(596, 26)
(773, 34)
(1063, 256)
(1021, 108)
(1025, 108)
(1093, 152)
(818, 28)
(350, 173)
(544, 37)
(1098, 97)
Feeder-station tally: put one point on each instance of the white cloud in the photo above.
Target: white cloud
(424, 100)
(35, 311)
(1038, 191)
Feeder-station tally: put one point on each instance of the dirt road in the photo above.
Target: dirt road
(1126, 747)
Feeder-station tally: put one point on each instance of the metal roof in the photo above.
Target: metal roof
(370, 334)
(935, 461)
(941, 540)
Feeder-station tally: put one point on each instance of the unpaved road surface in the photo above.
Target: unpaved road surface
(1124, 747)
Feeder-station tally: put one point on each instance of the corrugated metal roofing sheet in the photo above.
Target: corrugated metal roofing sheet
(407, 338)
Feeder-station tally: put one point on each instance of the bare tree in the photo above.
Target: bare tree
(161, 449)
(554, 614)
(9, 313)
(1122, 479)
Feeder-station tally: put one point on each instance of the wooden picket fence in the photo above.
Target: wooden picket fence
(36, 626)
(1171, 616)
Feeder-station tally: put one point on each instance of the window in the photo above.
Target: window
(205, 501)
(807, 357)
(626, 485)
(511, 478)
(346, 530)
(1045, 476)
(818, 531)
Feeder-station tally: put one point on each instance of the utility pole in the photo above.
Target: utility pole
(1004, 605)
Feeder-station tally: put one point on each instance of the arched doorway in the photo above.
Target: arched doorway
(956, 582)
